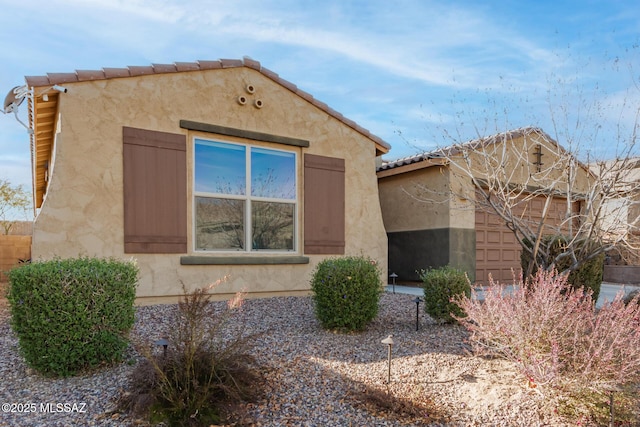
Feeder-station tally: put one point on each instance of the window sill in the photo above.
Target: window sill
(242, 260)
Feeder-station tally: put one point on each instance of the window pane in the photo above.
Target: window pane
(272, 225)
(273, 174)
(219, 224)
(220, 168)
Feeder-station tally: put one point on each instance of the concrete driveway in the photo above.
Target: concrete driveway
(608, 291)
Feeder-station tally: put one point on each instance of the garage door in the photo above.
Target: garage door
(497, 251)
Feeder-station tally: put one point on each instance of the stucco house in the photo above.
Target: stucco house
(622, 217)
(433, 211)
(200, 170)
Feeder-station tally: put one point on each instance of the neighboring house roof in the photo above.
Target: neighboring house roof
(43, 110)
(440, 156)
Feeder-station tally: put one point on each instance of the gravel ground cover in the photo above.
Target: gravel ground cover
(313, 377)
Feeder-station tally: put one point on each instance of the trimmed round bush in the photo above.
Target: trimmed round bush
(346, 292)
(440, 285)
(587, 276)
(71, 315)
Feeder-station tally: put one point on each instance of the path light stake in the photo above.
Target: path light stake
(612, 391)
(164, 343)
(389, 342)
(611, 422)
(393, 276)
(417, 301)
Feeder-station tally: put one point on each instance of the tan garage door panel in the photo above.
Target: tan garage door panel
(497, 251)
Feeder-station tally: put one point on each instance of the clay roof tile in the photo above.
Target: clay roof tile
(164, 68)
(84, 75)
(59, 78)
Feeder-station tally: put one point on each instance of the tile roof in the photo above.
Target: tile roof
(441, 153)
(132, 71)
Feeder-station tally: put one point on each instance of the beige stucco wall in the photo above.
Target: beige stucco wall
(416, 200)
(82, 213)
(425, 199)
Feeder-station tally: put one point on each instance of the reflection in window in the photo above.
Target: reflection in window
(219, 224)
(245, 197)
(220, 168)
(273, 174)
(272, 225)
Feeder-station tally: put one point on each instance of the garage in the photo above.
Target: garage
(431, 221)
(497, 250)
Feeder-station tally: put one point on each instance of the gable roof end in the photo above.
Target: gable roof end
(42, 113)
(51, 79)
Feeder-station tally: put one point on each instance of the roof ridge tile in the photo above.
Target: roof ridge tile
(140, 70)
(84, 75)
(187, 66)
(58, 78)
(164, 68)
(231, 63)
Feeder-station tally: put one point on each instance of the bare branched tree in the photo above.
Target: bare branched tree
(591, 207)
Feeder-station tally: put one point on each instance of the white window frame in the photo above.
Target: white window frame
(248, 199)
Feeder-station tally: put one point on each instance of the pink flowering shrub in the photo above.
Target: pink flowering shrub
(555, 335)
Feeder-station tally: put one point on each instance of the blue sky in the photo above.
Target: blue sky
(417, 73)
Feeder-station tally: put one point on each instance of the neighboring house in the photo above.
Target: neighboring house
(432, 213)
(198, 171)
(621, 218)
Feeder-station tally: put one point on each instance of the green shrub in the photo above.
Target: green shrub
(587, 276)
(205, 367)
(440, 285)
(72, 314)
(346, 292)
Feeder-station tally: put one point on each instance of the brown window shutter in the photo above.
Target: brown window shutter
(155, 191)
(324, 205)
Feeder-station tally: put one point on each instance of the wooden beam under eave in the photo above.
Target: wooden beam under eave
(44, 113)
(46, 110)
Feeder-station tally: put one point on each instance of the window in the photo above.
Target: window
(245, 197)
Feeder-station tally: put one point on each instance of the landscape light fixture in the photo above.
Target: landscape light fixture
(417, 301)
(164, 343)
(388, 341)
(613, 389)
(393, 276)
